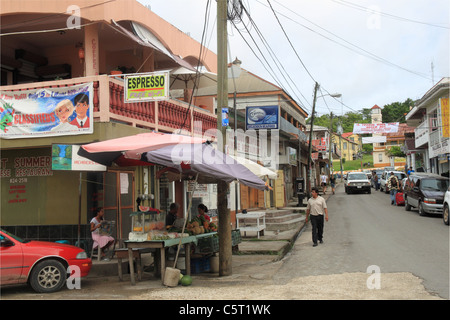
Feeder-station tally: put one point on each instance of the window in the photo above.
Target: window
(433, 120)
(380, 157)
(345, 145)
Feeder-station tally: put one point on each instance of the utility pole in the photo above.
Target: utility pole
(308, 176)
(225, 250)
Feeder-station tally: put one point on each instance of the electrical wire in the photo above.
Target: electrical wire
(267, 65)
(196, 79)
(351, 46)
(359, 7)
(23, 23)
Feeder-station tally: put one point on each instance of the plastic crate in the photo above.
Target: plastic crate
(236, 237)
(199, 265)
(208, 244)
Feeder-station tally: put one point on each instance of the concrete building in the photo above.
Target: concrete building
(280, 145)
(430, 118)
(51, 48)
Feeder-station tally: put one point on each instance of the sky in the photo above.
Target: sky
(371, 52)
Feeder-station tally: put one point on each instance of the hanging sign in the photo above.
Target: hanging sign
(47, 112)
(361, 128)
(262, 117)
(146, 87)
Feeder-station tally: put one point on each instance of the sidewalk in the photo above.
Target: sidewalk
(252, 252)
(276, 244)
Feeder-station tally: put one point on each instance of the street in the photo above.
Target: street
(366, 230)
(411, 254)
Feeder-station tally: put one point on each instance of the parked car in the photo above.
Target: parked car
(41, 264)
(446, 206)
(425, 191)
(385, 177)
(357, 181)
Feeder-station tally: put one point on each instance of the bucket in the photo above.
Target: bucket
(171, 277)
(214, 262)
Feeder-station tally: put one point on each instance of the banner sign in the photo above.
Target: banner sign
(376, 139)
(146, 87)
(263, 117)
(361, 128)
(445, 117)
(65, 157)
(47, 112)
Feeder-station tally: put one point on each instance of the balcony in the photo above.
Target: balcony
(434, 138)
(421, 134)
(109, 106)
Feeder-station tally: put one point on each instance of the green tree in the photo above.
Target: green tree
(396, 111)
(395, 151)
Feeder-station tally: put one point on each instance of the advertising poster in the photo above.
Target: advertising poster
(46, 112)
(262, 117)
(65, 157)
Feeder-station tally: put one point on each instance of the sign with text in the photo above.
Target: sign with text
(361, 128)
(146, 87)
(47, 112)
(445, 117)
(65, 157)
(262, 117)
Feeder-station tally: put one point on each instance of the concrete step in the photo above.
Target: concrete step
(285, 225)
(284, 218)
(277, 213)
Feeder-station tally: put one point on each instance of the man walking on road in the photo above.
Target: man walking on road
(316, 208)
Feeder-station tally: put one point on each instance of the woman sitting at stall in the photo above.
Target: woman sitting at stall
(103, 241)
(202, 210)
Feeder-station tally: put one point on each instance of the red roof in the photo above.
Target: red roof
(375, 107)
(347, 134)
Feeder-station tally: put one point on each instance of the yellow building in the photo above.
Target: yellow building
(349, 144)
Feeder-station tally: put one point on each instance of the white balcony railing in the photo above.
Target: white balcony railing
(421, 134)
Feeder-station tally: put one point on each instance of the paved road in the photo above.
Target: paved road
(365, 230)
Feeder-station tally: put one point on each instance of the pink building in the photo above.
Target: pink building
(59, 45)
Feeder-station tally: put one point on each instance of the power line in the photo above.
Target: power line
(295, 51)
(274, 57)
(363, 52)
(196, 79)
(23, 23)
(359, 7)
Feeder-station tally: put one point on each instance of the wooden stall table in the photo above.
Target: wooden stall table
(161, 245)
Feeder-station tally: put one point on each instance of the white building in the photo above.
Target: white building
(430, 116)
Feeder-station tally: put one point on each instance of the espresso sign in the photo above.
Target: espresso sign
(146, 87)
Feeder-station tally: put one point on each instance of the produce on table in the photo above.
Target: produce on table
(200, 225)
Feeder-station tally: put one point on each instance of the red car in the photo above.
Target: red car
(45, 266)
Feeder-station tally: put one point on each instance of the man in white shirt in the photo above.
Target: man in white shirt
(316, 209)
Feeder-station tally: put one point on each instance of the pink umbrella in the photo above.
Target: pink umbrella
(127, 151)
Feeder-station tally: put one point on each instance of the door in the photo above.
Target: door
(119, 201)
(11, 261)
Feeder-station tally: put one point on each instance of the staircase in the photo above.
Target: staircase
(283, 219)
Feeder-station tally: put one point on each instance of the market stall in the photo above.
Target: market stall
(184, 159)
